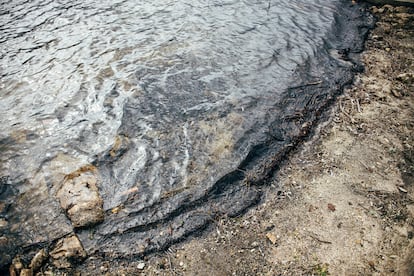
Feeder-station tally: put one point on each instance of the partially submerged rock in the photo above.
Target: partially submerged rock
(68, 251)
(80, 198)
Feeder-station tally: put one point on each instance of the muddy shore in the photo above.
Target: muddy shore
(344, 202)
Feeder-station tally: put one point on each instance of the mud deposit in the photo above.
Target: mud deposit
(133, 125)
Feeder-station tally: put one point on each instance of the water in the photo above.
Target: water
(176, 103)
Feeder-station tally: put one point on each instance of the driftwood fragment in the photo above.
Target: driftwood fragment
(409, 3)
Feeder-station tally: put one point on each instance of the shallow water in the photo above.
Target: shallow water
(174, 102)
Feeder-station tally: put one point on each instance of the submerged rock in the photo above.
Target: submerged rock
(67, 252)
(80, 198)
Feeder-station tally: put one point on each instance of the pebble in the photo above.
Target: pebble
(272, 238)
(406, 77)
(3, 223)
(141, 266)
(38, 260)
(26, 272)
(17, 263)
(66, 251)
(402, 190)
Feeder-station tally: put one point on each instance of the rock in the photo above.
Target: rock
(15, 267)
(396, 93)
(38, 260)
(406, 78)
(80, 198)
(67, 252)
(3, 207)
(374, 10)
(26, 272)
(272, 238)
(7, 251)
(3, 223)
(331, 207)
(141, 266)
(12, 271)
(402, 190)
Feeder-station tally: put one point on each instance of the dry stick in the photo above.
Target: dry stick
(314, 83)
(358, 106)
(352, 103)
(261, 251)
(307, 84)
(169, 260)
(365, 166)
(318, 239)
(363, 207)
(344, 112)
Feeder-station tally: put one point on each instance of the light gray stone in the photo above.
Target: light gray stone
(80, 198)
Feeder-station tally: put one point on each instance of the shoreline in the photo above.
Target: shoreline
(343, 203)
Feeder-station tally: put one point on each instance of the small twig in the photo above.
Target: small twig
(366, 167)
(363, 207)
(261, 252)
(318, 239)
(307, 84)
(314, 83)
(169, 260)
(344, 112)
(358, 106)
(352, 103)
